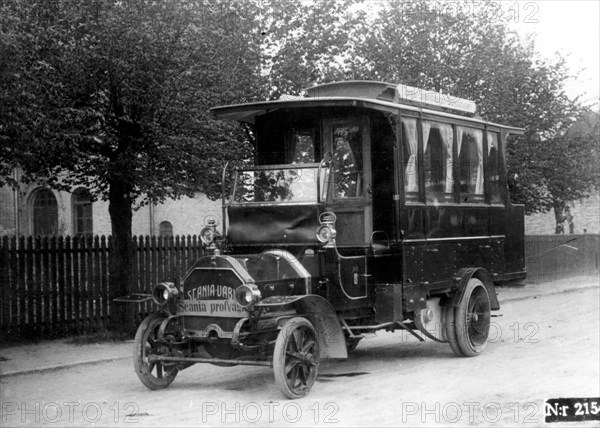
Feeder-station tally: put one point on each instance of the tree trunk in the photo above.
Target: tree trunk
(121, 256)
(559, 216)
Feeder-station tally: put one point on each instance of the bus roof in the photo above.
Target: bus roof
(373, 95)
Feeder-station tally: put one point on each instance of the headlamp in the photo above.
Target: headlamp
(247, 294)
(325, 234)
(163, 293)
(207, 235)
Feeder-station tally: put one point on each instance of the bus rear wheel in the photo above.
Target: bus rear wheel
(467, 326)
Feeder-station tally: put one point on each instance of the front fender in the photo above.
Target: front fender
(322, 316)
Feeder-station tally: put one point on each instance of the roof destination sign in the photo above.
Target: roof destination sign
(434, 99)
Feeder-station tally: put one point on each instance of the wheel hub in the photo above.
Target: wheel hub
(307, 359)
(304, 358)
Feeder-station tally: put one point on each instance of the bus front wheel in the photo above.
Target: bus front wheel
(296, 358)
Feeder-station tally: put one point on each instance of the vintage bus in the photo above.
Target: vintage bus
(369, 206)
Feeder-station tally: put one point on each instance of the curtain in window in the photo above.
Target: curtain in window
(446, 134)
(492, 139)
(459, 136)
(426, 129)
(410, 176)
(493, 165)
(478, 135)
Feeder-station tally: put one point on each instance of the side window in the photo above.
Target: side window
(347, 162)
(470, 164)
(411, 176)
(83, 222)
(437, 161)
(165, 229)
(300, 147)
(45, 213)
(493, 167)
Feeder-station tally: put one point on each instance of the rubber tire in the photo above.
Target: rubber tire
(450, 330)
(279, 356)
(469, 345)
(142, 369)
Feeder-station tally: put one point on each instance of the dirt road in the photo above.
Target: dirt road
(540, 348)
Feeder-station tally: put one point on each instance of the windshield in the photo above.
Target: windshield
(293, 183)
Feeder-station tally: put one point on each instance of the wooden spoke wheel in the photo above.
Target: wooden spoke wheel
(153, 374)
(296, 358)
(467, 326)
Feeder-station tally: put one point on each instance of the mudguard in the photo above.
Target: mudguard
(465, 274)
(322, 316)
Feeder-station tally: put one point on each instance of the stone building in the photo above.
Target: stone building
(586, 218)
(35, 210)
(585, 213)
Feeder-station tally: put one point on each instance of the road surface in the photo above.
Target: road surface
(540, 348)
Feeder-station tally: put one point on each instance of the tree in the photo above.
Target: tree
(464, 49)
(114, 96)
(571, 163)
(304, 43)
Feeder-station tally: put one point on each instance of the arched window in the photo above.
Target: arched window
(45, 213)
(165, 229)
(83, 224)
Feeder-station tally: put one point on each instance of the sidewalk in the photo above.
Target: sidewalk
(57, 354)
(529, 291)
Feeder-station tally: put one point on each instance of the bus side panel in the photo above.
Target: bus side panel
(514, 246)
(497, 215)
(387, 282)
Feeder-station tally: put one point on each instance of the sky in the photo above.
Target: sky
(571, 28)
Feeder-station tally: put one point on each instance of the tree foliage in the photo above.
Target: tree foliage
(570, 165)
(121, 90)
(463, 49)
(305, 43)
(468, 51)
(113, 95)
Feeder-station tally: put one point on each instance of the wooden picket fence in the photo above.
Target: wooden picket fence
(57, 286)
(53, 287)
(554, 257)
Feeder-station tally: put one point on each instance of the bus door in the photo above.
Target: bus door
(349, 197)
(349, 183)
